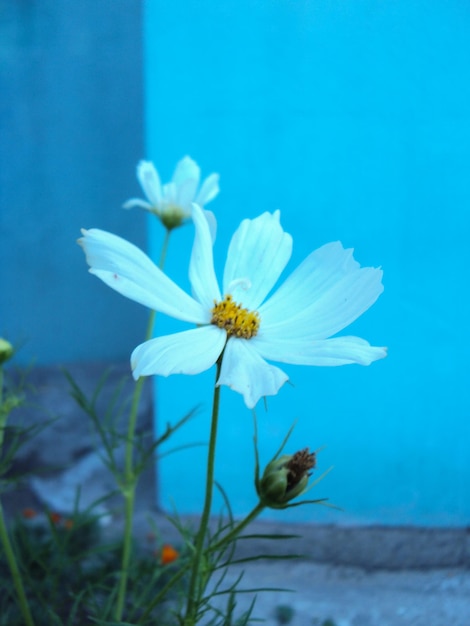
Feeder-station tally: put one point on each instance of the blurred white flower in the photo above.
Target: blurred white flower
(327, 292)
(171, 203)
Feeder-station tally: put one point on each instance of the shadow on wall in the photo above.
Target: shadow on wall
(72, 134)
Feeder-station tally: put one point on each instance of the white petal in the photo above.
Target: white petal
(244, 370)
(126, 269)
(258, 253)
(209, 190)
(336, 351)
(190, 352)
(201, 268)
(185, 193)
(332, 311)
(210, 217)
(186, 168)
(137, 202)
(186, 179)
(150, 182)
(309, 281)
(170, 194)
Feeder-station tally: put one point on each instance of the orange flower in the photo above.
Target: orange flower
(55, 517)
(28, 513)
(169, 554)
(68, 524)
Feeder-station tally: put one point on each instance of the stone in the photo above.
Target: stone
(61, 458)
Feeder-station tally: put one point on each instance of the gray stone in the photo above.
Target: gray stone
(63, 455)
(370, 547)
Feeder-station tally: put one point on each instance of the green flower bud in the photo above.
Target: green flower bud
(6, 350)
(6, 407)
(285, 478)
(172, 217)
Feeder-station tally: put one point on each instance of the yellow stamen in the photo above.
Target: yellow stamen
(236, 320)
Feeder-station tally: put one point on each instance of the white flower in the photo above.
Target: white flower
(328, 291)
(172, 202)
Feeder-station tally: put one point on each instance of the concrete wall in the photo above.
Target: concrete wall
(71, 98)
(353, 118)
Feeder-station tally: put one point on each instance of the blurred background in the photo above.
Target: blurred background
(352, 118)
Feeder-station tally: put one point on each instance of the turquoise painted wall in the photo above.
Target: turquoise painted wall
(353, 118)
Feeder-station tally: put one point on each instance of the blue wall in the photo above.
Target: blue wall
(353, 118)
(71, 127)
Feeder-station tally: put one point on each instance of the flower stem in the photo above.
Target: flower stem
(130, 479)
(4, 538)
(191, 607)
(236, 530)
(164, 250)
(15, 572)
(230, 536)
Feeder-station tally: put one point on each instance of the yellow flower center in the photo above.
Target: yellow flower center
(237, 321)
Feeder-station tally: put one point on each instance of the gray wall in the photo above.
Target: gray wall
(71, 122)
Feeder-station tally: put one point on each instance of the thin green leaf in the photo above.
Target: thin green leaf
(268, 536)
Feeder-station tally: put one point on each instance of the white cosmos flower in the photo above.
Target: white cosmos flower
(328, 291)
(172, 202)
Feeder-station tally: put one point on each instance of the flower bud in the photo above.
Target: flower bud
(6, 350)
(285, 478)
(172, 217)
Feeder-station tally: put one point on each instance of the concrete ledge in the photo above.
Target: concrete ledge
(367, 547)
(375, 547)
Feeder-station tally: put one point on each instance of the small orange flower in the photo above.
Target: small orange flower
(168, 554)
(28, 513)
(68, 524)
(55, 517)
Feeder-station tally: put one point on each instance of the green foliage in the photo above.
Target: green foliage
(57, 571)
(69, 575)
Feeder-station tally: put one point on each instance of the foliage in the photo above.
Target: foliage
(69, 574)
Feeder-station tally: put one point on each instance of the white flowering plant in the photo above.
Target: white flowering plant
(242, 325)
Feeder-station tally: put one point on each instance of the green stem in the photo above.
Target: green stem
(130, 479)
(236, 530)
(212, 548)
(15, 572)
(162, 593)
(3, 412)
(5, 539)
(191, 607)
(164, 250)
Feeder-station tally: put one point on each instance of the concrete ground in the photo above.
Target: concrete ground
(351, 596)
(349, 576)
